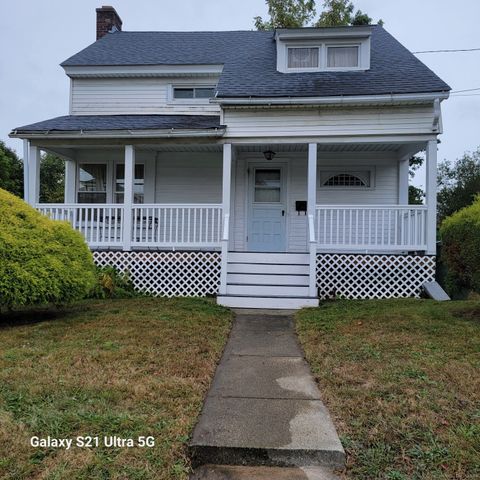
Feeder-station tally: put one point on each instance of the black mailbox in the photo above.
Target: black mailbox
(301, 206)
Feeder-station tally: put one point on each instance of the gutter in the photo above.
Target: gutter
(338, 100)
(77, 134)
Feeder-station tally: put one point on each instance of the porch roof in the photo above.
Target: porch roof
(79, 124)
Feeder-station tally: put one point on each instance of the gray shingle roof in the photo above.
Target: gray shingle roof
(249, 59)
(71, 123)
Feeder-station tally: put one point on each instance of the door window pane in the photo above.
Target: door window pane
(342, 57)
(267, 186)
(92, 183)
(138, 183)
(303, 57)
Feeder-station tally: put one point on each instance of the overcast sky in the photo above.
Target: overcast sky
(35, 36)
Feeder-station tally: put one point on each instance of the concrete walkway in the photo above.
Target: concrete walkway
(264, 407)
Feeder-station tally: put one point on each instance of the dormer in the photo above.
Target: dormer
(338, 49)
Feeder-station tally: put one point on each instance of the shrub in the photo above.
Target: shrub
(460, 234)
(111, 283)
(41, 260)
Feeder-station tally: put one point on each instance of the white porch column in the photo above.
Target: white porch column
(128, 196)
(311, 212)
(33, 175)
(226, 198)
(26, 184)
(431, 197)
(70, 181)
(403, 166)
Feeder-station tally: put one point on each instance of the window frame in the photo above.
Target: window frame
(193, 100)
(343, 45)
(303, 69)
(363, 46)
(325, 173)
(114, 187)
(77, 183)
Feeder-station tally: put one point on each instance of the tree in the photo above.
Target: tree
(287, 14)
(415, 194)
(52, 179)
(11, 171)
(299, 13)
(459, 183)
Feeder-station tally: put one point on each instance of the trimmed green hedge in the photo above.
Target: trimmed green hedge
(460, 234)
(41, 261)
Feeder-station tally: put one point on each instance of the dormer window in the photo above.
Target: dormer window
(299, 57)
(323, 49)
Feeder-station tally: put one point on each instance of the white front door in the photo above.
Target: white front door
(267, 208)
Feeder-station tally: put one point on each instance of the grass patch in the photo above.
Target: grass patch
(119, 367)
(401, 379)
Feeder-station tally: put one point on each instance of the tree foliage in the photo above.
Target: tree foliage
(11, 171)
(52, 179)
(301, 13)
(41, 260)
(52, 175)
(459, 183)
(460, 235)
(415, 194)
(287, 14)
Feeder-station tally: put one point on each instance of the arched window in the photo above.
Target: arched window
(345, 180)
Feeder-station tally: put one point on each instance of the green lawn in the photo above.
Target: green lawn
(402, 381)
(137, 367)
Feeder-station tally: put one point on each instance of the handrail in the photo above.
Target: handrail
(311, 229)
(226, 227)
(372, 206)
(224, 258)
(312, 283)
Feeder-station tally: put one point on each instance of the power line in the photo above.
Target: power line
(467, 90)
(449, 51)
(466, 95)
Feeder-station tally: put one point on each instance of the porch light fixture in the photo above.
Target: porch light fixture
(269, 154)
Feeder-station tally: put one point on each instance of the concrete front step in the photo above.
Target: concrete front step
(237, 472)
(281, 303)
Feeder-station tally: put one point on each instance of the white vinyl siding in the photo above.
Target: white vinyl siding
(324, 122)
(189, 178)
(114, 96)
(384, 167)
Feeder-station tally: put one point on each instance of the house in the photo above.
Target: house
(268, 167)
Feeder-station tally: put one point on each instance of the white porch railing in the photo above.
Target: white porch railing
(371, 227)
(153, 225)
(169, 225)
(101, 225)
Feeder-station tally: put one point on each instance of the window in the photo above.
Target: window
(342, 57)
(92, 183)
(303, 57)
(346, 179)
(267, 185)
(138, 183)
(192, 93)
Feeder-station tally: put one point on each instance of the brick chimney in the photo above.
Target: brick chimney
(107, 18)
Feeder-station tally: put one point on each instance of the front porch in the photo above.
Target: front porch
(322, 200)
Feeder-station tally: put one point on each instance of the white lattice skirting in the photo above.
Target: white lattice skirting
(373, 276)
(170, 274)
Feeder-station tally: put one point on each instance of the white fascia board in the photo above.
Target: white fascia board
(105, 71)
(283, 34)
(340, 100)
(164, 133)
